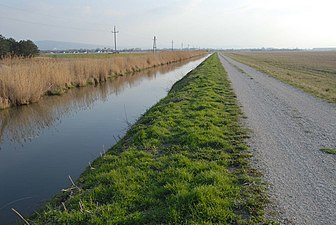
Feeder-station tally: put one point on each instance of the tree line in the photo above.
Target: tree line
(9, 47)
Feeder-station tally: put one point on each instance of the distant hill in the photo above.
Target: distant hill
(60, 45)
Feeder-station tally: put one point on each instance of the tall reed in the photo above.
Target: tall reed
(21, 124)
(24, 81)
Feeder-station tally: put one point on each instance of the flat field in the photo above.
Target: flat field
(313, 72)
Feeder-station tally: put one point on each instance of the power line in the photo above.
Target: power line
(62, 17)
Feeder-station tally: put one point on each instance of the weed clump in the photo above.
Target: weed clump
(329, 150)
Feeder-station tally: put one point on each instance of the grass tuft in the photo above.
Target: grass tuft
(329, 150)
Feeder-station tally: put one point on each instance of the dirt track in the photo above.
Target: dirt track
(289, 127)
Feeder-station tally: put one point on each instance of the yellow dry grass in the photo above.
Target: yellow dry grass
(313, 72)
(20, 124)
(24, 81)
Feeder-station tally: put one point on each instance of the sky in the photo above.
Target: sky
(195, 23)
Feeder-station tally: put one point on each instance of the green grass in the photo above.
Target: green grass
(329, 150)
(183, 162)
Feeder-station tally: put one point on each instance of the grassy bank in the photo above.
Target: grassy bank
(313, 72)
(24, 81)
(183, 162)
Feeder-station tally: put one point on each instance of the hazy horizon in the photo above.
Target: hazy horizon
(197, 23)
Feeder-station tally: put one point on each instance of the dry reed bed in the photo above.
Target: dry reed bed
(24, 81)
(22, 123)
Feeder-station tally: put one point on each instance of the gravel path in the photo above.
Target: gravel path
(289, 129)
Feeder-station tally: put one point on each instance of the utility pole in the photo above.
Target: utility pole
(172, 45)
(154, 44)
(115, 39)
(182, 46)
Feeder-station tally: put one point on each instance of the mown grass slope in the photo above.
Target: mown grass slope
(313, 72)
(183, 162)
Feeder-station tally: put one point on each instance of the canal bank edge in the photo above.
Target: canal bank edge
(184, 162)
(56, 76)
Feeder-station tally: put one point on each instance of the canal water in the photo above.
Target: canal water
(42, 144)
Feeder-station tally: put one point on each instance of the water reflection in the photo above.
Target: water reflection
(25, 123)
(44, 143)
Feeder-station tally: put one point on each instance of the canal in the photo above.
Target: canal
(42, 144)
